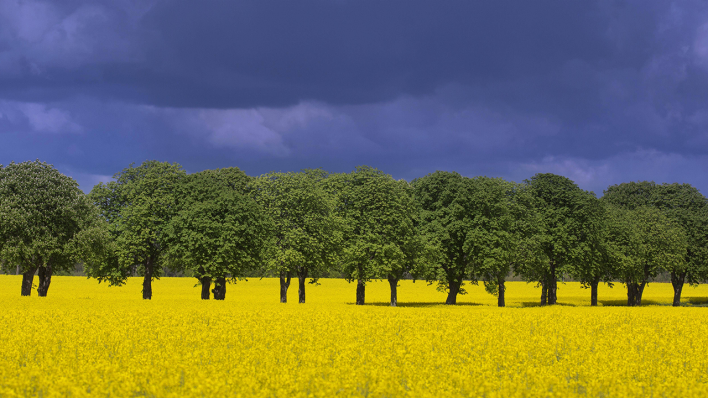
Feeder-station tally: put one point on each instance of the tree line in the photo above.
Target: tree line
(222, 225)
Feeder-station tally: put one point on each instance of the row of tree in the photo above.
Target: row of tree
(222, 225)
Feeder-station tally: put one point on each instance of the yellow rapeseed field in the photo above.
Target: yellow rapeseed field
(87, 339)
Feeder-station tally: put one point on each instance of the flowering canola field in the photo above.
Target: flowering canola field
(87, 339)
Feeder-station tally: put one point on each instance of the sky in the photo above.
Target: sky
(602, 92)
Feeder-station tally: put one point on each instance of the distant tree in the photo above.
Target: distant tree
(138, 204)
(686, 206)
(218, 232)
(642, 242)
(593, 265)
(307, 232)
(44, 217)
(566, 215)
(381, 240)
(446, 223)
(500, 236)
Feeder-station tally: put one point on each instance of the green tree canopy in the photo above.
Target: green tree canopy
(44, 219)
(307, 232)
(500, 238)
(643, 241)
(381, 240)
(138, 204)
(446, 223)
(566, 213)
(688, 208)
(219, 232)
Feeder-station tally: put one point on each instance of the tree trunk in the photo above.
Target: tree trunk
(634, 293)
(206, 286)
(285, 277)
(27, 281)
(147, 279)
(220, 288)
(360, 292)
(677, 280)
(552, 285)
(45, 278)
(393, 282)
(544, 292)
(593, 292)
(501, 283)
(640, 290)
(454, 287)
(301, 279)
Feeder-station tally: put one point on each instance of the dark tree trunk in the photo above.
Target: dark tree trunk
(677, 280)
(454, 290)
(45, 278)
(640, 291)
(393, 282)
(147, 279)
(634, 293)
(27, 281)
(544, 292)
(206, 286)
(552, 285)
(360, 292)
(593, 292)
(285, 277)
(301, 279)
(501, 283)
(220, 288)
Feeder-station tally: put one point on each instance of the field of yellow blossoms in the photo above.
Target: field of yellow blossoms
(87, 339)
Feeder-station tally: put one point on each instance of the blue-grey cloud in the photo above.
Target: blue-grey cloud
(603, 92)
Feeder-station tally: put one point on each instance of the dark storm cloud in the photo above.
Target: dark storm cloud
(602, 92)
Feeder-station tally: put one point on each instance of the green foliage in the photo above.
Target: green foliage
(307, 233)
(446, 223)
(501, 232)
(567, 214)
(45, 218)
(218, 231)
(138, 204)
(381, 240)
(682, 203)
(642, 241)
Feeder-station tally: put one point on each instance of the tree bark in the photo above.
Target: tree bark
(640, 291)
(45, 279)
(220, 288)
(27, 281)
(634, 293)
(677, 280)
(393, 283)
(593, 292)
(501, 283)
(301, 279)
(454, 287)
(206, 286)
(285, 277)
(552, 285)
(360, 292)
(544, 292)
(147, 279)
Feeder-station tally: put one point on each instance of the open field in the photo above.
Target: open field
(89, 339)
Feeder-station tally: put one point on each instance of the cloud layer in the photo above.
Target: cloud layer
(602, 92)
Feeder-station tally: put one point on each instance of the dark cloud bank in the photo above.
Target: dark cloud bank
(601, 92)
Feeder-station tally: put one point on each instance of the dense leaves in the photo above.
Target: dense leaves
(381, 239)
(138, 204)
(688, 208)
(46, 223)
(219, 232)
(308, 233)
